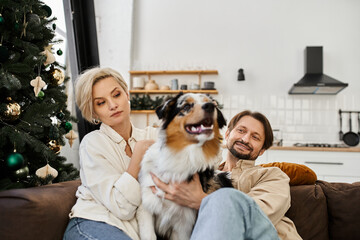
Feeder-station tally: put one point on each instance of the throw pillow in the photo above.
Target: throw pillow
(299, 174)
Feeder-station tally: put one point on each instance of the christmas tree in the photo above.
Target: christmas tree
(33, 113)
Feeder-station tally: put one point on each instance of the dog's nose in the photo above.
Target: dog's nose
(208, 107)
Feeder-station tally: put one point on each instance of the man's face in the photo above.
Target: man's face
(246, 139)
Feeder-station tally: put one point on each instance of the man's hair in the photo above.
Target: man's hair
(261, 118)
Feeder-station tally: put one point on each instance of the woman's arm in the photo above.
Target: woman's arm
(109, 177)
(139, 151)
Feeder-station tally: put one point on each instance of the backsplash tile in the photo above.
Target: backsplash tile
(300, 118)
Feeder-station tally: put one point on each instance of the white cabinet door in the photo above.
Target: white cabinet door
(328, 166)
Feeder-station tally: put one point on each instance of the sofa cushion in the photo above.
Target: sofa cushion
(299, 174)
(308, 211)
(343, 201)
(36, 213)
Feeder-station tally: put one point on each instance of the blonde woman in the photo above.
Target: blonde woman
(110, 158)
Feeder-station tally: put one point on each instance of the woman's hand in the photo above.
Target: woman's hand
(189, 194)
(138, 154)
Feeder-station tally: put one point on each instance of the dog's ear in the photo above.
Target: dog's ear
(220, 119)
(163, 110)
(160, 110)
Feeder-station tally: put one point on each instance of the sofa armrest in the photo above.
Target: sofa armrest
(37, 213)
(343, 206)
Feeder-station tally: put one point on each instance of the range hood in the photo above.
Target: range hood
(314, 81)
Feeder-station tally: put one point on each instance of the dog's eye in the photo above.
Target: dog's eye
(187, 107)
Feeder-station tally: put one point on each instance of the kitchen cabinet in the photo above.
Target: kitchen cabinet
(333, 165)
(198, 73)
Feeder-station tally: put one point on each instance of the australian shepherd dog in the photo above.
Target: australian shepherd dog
(189, 143)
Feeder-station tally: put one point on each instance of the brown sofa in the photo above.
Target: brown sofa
(321, 211)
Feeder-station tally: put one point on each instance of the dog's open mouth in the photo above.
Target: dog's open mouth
(204, 127)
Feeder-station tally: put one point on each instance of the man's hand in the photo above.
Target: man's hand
(189, 194)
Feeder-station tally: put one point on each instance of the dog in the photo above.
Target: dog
(189, 143)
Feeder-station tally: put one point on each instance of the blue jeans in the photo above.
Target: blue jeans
(84, 229)
(225, 214)
(230, 214)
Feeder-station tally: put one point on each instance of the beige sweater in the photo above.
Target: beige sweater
(270, 189)
(108, 193)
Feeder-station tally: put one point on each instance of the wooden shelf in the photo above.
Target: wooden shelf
(172, 91)
(180, 72)
(142, 111)
(147, 112)
(199, 73)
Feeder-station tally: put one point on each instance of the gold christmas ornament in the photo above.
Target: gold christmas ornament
(38, 84)
(45, 171)
(12, 111)
(21, 173)
(50, 58)
(71, 136)
(54, 146)
(58, 76)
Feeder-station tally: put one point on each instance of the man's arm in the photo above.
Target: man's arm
(189, 194)
(272, 193)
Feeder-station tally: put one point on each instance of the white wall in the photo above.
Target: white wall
(114, 29)
(265, 37)
(57, 8)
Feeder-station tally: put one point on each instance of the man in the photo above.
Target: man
(248, 135)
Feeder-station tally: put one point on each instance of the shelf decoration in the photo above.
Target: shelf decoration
(149, 74)
(161, 91)
(145, 102)
(151, 85)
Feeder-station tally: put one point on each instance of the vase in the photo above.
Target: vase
(138, 83)
(151, 85)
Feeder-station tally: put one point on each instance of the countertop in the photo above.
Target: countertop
(321, 149)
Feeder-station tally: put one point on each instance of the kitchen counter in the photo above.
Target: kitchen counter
(321, 149)
(331, 164)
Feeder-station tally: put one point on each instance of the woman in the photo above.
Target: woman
(109, 160)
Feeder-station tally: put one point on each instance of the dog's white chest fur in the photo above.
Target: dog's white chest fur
(188, 143)
(169, 167)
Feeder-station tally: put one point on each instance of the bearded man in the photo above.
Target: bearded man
(248, 136)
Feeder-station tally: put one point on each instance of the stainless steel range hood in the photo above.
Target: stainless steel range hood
(314, 81)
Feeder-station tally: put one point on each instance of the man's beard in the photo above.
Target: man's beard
(241, 155)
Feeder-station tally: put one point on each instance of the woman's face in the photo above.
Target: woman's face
(111, 102)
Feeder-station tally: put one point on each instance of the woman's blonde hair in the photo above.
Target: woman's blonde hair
(84, 84)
